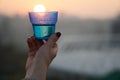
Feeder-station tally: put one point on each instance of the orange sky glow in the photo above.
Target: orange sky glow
(80, 8)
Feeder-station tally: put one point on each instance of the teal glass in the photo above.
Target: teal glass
(43, 24)
(43, 31)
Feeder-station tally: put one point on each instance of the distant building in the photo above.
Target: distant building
(116, 26)
(115, 39)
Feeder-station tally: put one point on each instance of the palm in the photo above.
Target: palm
(33, 46)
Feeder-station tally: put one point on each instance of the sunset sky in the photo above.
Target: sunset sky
(80, 8)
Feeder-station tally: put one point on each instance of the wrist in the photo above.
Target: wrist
(37, 71)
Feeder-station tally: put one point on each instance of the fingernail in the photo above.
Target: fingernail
(58, 34)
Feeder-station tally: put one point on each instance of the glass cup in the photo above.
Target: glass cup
(43, 24)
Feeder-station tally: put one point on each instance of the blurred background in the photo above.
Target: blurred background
(89, 48)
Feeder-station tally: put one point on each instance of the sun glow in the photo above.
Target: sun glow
(39, 8)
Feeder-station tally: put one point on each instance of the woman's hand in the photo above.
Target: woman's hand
(40, 55)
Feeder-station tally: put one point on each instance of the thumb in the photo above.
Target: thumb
(53, 39)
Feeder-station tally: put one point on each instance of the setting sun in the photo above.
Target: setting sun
(39, 8)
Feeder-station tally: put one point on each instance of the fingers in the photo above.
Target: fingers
(33, 45)
(29, 43)
(38, 43)
(53, 39)
(32, 42)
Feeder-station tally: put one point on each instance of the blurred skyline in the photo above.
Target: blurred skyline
(99, 9)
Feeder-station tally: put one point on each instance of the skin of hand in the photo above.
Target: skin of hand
(41, 53)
